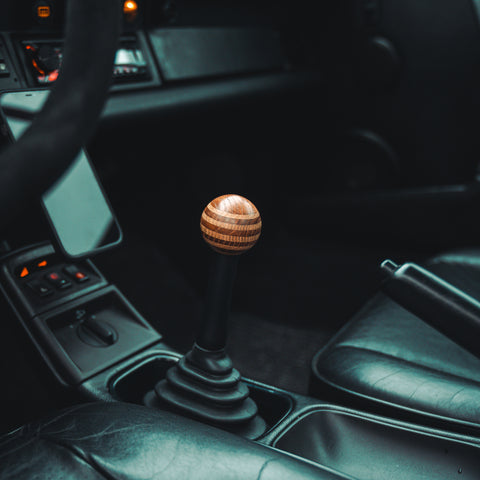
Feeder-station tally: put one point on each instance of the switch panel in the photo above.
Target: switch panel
(79, 323)
(39, 279)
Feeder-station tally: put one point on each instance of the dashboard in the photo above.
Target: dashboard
(177, 46)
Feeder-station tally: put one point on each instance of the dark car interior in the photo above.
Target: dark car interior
(285, 277)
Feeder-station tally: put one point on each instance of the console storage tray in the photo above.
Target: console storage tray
(370, 448)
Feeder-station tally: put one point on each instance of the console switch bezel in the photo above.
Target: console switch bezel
(53, 322)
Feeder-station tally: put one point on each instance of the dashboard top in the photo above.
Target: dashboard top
(49, 15)
(184, 44)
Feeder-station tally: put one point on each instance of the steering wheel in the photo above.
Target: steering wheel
(68, 118)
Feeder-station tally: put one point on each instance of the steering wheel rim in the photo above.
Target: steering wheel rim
(68, 119)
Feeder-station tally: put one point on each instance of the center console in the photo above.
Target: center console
(94, 341)
(79, 323)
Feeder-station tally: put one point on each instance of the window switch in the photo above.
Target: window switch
(4, 72)
(40, 288)
(57, 280)
(74, 272)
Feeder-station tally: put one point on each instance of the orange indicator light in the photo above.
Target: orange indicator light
(24, 272)
(39, 70)
(43, 11)
(130, 9)
(42, 264)
(130, 6)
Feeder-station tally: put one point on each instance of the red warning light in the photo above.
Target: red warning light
(53, 76)
(24, 272)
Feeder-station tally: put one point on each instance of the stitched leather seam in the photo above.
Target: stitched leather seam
(74, 451)
(389, 404)
(417, 365)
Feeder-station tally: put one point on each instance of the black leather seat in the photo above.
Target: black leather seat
(122, 441)
(387, 357)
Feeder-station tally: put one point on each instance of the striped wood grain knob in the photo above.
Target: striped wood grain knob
(231, 224)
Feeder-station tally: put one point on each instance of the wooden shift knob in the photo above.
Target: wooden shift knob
(231, 224)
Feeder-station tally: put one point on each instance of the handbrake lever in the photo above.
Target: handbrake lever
(435, 301)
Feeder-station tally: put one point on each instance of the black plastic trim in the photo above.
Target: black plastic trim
(166, 101)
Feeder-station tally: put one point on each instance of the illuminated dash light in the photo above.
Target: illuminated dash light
(53, 76)
(43, 263)
(44, 11)
(130, 9)
(37, 68)
(24, 272)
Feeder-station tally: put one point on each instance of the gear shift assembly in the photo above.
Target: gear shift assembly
(204, 384)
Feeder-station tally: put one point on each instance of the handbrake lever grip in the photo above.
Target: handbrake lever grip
(435, 301)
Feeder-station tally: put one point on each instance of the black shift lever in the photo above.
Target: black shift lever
(204, 383)
(231, 225)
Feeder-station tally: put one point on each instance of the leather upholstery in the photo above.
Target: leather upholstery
(123, 441)
(389, 356)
